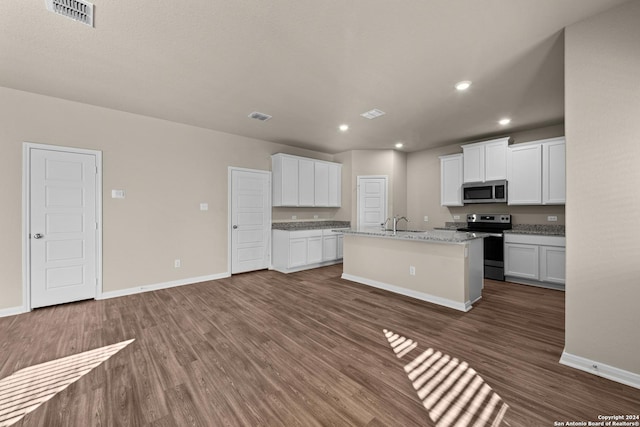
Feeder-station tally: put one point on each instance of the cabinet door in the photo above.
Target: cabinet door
(285, 180)
(340, 250)
(321, 184)
(473, 163)
(524, 175)
(552, 264)
(495, 160)
(451, 180)
(521, 260)
(553, 173)
(329, 247)
(314, 250)
(335, 184)
(306, 182)
(297, 252)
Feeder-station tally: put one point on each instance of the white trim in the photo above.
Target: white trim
(26, 209)
(11, 311)
(164, 285)
(229, 219)
(410, 293)
(306, 266)
(600, 369)
(386, 194)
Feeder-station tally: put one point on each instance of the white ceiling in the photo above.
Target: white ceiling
(311, 64)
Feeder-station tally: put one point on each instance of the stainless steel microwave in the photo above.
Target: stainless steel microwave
(485, 192)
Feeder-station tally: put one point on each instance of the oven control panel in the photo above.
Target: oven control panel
(490, 218)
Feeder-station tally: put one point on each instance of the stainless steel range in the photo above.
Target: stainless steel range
(494, 225)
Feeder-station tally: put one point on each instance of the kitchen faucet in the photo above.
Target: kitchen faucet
(396, 220)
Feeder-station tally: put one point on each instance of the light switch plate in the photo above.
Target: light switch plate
(552, 218)
(117, 194)
(456, 217)
(426, 218)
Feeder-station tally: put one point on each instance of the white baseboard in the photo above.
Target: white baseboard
(600, 369)
(410, 293)
(12, 311)
(157, 286)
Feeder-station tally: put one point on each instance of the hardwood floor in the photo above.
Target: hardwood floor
(304, 349)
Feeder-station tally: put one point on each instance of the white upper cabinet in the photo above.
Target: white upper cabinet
(485, 161)
(554, 172)
(335, 184)
(536, 172)
(524, 174)
(304, 182)
(451, 180)
(321, 184)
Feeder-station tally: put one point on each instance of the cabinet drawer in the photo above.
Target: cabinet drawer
(305, 233)
(534, 239)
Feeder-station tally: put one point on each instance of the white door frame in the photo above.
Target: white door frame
(386, 194)
(229, 219)
(26, 220)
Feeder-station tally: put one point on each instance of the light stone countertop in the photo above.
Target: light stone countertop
(309, 225)
(537, 229)
(430, 236)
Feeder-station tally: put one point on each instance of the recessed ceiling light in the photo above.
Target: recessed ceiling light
(372, 114)
(343, 128)
(399, 145)
(463, 85)
(504, 121)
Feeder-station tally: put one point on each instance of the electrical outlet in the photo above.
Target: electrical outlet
(315, 217)
(177, 263)
(456, 217)
(552, 218)
(294, 216)
(204, 206)
(412, 270)
(426, 218)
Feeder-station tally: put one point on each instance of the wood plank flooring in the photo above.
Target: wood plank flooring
(307, 349)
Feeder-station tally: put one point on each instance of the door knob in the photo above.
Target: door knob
(235, 226)
(37, 236)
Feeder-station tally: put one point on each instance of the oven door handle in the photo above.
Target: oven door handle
(495, 234)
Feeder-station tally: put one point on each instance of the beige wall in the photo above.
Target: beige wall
(167, 170)
(423, 188)
(374, 162)
(602, 97)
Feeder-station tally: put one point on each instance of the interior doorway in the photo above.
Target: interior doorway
(249, 220)
(372, 200)
(62, 224)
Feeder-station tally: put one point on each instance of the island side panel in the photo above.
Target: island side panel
(441, 269)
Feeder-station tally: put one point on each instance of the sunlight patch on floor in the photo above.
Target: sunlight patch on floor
(452, 391)
(27, 389)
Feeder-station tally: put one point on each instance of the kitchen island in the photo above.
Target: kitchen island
(439, 266)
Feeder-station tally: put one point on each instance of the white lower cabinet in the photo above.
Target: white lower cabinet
(305, 249)
(535, 260)
(523, 260)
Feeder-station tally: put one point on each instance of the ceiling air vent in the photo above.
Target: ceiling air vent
(372, 114)
(81, 11)
(260, 116)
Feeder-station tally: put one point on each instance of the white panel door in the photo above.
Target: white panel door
(372, 201)
(250, 220)
(63, 227)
